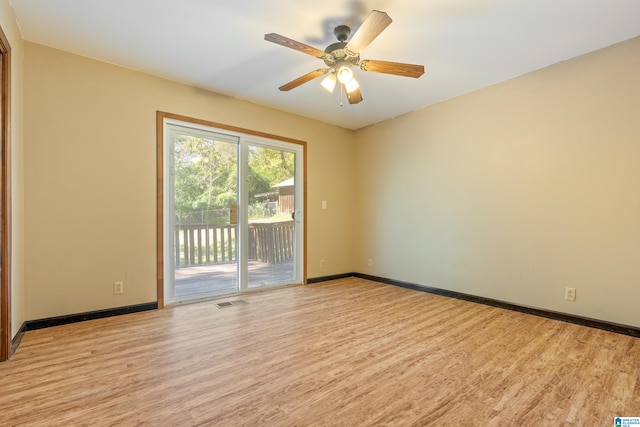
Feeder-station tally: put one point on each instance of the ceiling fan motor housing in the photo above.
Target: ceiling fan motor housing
(337, 52)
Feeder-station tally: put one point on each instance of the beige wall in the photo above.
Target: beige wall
(11, 30)
(516, 191)
(90, 179)
(512, 192)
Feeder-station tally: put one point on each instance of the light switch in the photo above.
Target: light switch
(324, 204)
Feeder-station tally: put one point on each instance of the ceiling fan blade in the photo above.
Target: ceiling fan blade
(375, 23)
(303, 79)
(354, 97)
(292, 44)
(396, 68)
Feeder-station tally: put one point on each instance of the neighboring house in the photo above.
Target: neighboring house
(285, 196)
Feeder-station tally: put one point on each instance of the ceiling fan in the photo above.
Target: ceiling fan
(340, 57)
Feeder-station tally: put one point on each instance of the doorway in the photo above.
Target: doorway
(5, 201)
(233, 209)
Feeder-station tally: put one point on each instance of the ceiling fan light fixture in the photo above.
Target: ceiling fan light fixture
(351, 85)
(329, 82)
(345, 75)
(341, 57)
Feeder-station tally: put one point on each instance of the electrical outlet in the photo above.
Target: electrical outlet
(370, 262)
(570, 294)
(321, 263)
(118, 288)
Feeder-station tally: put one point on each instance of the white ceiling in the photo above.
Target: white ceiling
(219, 44)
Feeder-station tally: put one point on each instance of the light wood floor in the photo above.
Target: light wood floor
(346, 353)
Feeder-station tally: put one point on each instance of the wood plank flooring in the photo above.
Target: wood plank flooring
(348, 352)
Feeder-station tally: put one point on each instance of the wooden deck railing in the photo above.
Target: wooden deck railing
(204, 244)
(271, 242)
(200, 244)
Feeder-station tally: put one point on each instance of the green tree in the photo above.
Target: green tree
(206, 174)
(269, 167)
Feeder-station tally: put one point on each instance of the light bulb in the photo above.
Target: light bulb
(329, 82)
(345, 74)
(351, 85)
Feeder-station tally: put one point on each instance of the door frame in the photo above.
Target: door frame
(6, 347)
(160, 197)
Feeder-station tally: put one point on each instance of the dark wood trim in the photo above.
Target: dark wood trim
(555, 315)
(160, 116)
(332, 277)
(6, 347)
(32, 325)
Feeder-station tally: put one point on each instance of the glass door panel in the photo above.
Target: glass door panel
(205, 200)
(271, 226)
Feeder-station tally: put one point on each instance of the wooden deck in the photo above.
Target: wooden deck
(222, 278)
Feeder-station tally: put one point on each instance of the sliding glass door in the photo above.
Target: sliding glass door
(232, 212)
(272, 210)
(204, 233)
